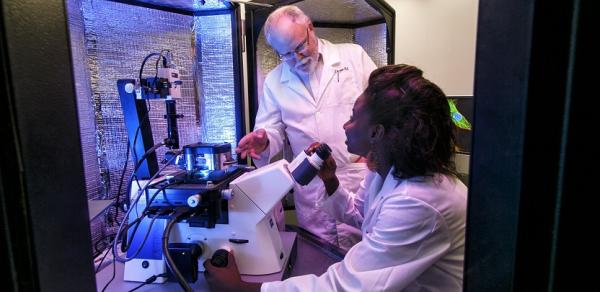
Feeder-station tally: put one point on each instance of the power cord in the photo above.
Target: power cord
(179, 213)
(137, 198)
(113, 245)
(149, 281)
(113, 266)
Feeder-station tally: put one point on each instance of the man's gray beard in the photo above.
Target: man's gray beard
(311, 69)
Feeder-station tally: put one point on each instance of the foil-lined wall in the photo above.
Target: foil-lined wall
(266, 60)
(338, 11)
(205, 5)
(373, 39)
(215, 71)
(118, 37)
(96, 186)
(94, 182)
(109, 41)
(85, 106)
(336, 35)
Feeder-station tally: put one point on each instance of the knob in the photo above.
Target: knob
(194, 200)
(219, 258)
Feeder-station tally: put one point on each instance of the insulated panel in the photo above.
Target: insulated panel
(339, 11)
(85, 105)
(215, 74)
(373, 39)
(336, 35)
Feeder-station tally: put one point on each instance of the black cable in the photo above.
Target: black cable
(112, 245)
(115, 240)
(158, 60)
(150, 151)
(129, 192)
(149, 281)
(136, 223)
(139, 219)
(137, 166)
(113, 271)
(145, 120)
(144, 62)
(96, 249)
(160, 55)
(117, 199)
(141, 285)
(137, 252)
(165, 247)
(165, 197)
(142, 190)
(137, 131)
(125, 246)
(104, 257)
(149, 105)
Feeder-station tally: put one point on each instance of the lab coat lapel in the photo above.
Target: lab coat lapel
(373, 191)
(331, 64)
(378, 190)
(293, 82)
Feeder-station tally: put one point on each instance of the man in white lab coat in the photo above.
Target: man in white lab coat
(308, 97)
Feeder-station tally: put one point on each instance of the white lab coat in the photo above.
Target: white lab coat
(413, 238)
(287, 108)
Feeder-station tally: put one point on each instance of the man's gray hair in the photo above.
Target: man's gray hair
(294, 13)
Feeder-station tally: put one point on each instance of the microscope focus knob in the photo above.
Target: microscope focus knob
(219, 258)
(227, 194)
(194, 200)
(129, 87)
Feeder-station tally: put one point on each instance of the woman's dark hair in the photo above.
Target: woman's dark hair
(419, 133)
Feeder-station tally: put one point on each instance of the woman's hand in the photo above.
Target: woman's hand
(327, 171)
(227, 278)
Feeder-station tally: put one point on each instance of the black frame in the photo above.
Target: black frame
(528, 164)
(139, 130)
(44, 207)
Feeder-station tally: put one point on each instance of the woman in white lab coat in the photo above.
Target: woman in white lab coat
(413, 211)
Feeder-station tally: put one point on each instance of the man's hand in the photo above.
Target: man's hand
(227, 278)
(253, 144)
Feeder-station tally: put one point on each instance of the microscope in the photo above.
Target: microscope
(175, 221)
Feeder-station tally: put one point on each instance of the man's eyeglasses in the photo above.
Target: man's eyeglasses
(298, 50)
